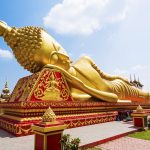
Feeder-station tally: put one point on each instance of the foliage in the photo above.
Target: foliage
(145, 135)
(148, 122)
(70, 144)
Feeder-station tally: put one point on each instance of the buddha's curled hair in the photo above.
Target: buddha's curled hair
(25, 42)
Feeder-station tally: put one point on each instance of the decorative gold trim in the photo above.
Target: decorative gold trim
(25, 110)
(48, 129)
(62, 109)
(59, 116)
(41, 74)
(34, 141)
(45, 142)
(47, 134)
(34, 86)
(143, 122)
(21, 119)
(30, 105)
(65, 82)
(139, 115)
(17, 129)
(54, 133)
(36, 132)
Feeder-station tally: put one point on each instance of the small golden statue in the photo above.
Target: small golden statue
(52, 92)
(34, 49)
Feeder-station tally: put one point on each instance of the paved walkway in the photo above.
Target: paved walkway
(9, 142)
(126, 143)
(97, 132)
(87, 134)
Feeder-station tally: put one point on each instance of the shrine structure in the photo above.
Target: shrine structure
(79, 94)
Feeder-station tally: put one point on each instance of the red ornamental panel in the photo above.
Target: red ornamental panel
(47, 85)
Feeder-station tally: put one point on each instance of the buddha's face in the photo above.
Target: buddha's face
(60, 60)
(55, 58)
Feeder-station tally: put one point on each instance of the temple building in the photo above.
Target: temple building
(5, 95)
(136, 83)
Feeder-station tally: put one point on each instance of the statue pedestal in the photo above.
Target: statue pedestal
(140, 119)
(48, 136)
(33, 94)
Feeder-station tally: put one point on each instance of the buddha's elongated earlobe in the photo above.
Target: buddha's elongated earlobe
(53, 58)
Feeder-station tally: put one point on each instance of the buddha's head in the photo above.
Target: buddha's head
(52, 53)
(34, 48)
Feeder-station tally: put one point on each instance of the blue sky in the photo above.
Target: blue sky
(116, 34)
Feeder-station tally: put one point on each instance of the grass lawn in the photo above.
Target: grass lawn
(145, 135)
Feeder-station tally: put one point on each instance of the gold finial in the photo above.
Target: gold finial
(4, 28)
(139, 109)
(6, 84)
(49, 116)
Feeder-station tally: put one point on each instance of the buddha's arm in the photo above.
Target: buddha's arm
(110, 97)
(105, 75)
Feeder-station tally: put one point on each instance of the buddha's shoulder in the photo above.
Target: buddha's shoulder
(85, 58)
(80, 64)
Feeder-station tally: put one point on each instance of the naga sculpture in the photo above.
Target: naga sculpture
(34, 49)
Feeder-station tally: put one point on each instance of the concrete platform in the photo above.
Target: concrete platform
(97, 134)
(100, 133)
(10, 142)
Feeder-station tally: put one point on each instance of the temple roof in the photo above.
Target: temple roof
(135, 82)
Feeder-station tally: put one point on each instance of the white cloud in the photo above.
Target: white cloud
(139, 67)
(121, 72)
(5, 54)
(132, 70)
(83, 17)
(85, 54)
(140, 71)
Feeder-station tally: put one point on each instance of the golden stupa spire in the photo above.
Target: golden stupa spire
(6, 82)
(5, 92)
(139, 109)
(49, 116)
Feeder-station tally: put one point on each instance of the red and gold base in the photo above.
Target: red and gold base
(48, 88)
(48, 136)
(16, 128)
(140, 118)
(20, 128)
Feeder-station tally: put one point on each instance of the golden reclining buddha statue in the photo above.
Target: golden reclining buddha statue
(34, 49)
